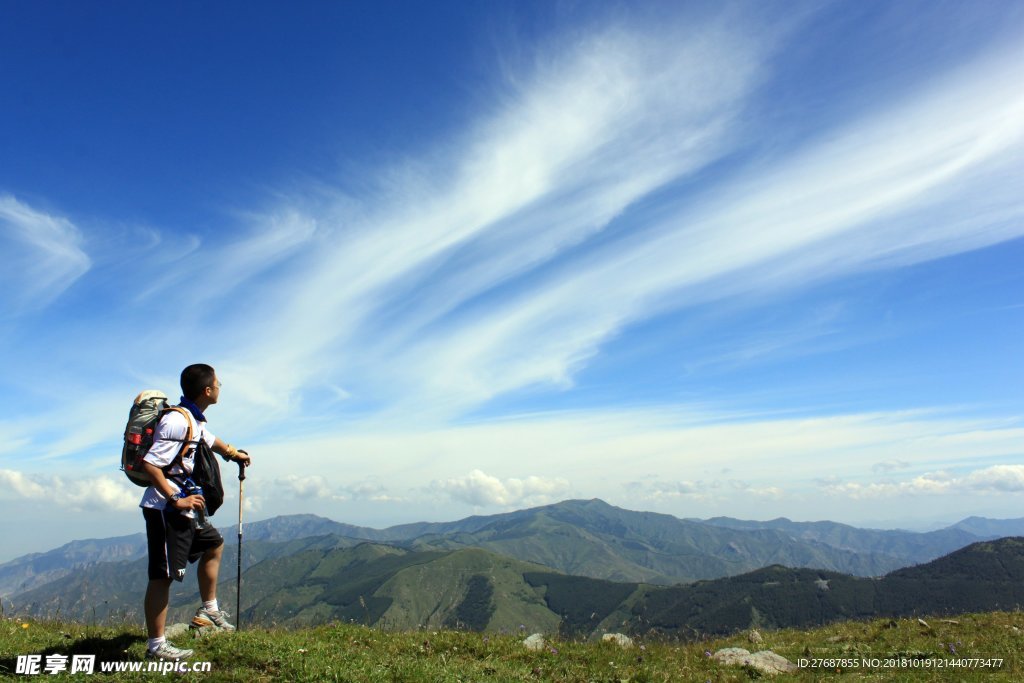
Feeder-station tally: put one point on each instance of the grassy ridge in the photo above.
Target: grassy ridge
(349, 652)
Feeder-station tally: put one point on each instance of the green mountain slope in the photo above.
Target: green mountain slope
(984, 576)
(396, 588)
(112, 591)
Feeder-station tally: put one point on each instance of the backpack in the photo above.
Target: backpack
(206, 474)
(145, 413)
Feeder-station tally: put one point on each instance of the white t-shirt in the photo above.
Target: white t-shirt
(167, 441)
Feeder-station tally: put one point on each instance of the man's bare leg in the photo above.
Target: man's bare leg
(157, 596)
(209, 569)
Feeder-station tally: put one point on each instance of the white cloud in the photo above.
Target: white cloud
(996, 479)
(15, 484)
(87, 493)
(43, 255)
(317, 487)
(482, 490)
(312, 486)
(657, 490)
(600, 449)
(103, 492)
(773, 492)
(700, 491)
(371, 491)
(740, 487)
(774, 464)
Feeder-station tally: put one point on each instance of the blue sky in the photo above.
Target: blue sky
(746, 259)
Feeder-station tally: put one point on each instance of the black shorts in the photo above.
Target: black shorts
(173, 543)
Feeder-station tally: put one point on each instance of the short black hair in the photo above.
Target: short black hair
(195, 378)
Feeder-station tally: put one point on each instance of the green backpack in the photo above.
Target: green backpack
(145, 413)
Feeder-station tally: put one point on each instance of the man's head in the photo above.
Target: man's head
(199, 384)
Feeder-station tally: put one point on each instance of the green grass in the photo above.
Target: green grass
(348, 652)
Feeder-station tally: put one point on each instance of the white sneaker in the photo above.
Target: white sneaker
(210, 620)
(168, 653)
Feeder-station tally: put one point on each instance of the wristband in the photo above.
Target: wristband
(231, 453)
(175, 497)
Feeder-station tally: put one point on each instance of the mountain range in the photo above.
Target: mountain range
(586, 538)
(579, 567)
(323, 579)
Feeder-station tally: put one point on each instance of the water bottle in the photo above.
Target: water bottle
(199, 521)
(199, 516)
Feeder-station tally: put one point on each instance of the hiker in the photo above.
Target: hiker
(176, 530)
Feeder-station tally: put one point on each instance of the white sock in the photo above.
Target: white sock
(154, 643)
(211, 605)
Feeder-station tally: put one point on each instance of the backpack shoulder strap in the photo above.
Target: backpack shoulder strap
(188, 432)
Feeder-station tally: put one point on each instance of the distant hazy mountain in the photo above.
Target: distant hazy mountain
(29, 571)
(588, 538)
(991, 528)
(905, 547)
(593, 538)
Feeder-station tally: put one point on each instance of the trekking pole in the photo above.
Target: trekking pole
(238, 584)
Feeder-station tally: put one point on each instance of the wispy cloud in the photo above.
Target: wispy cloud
(566, 149)
(14, 437)
(923, 178)
(43, 255)
(217, 270)
(505, 258)
(430, 292)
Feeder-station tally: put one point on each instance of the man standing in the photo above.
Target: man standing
(175, 533)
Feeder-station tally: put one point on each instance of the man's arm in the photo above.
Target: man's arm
(230, 452)
(160, 483)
